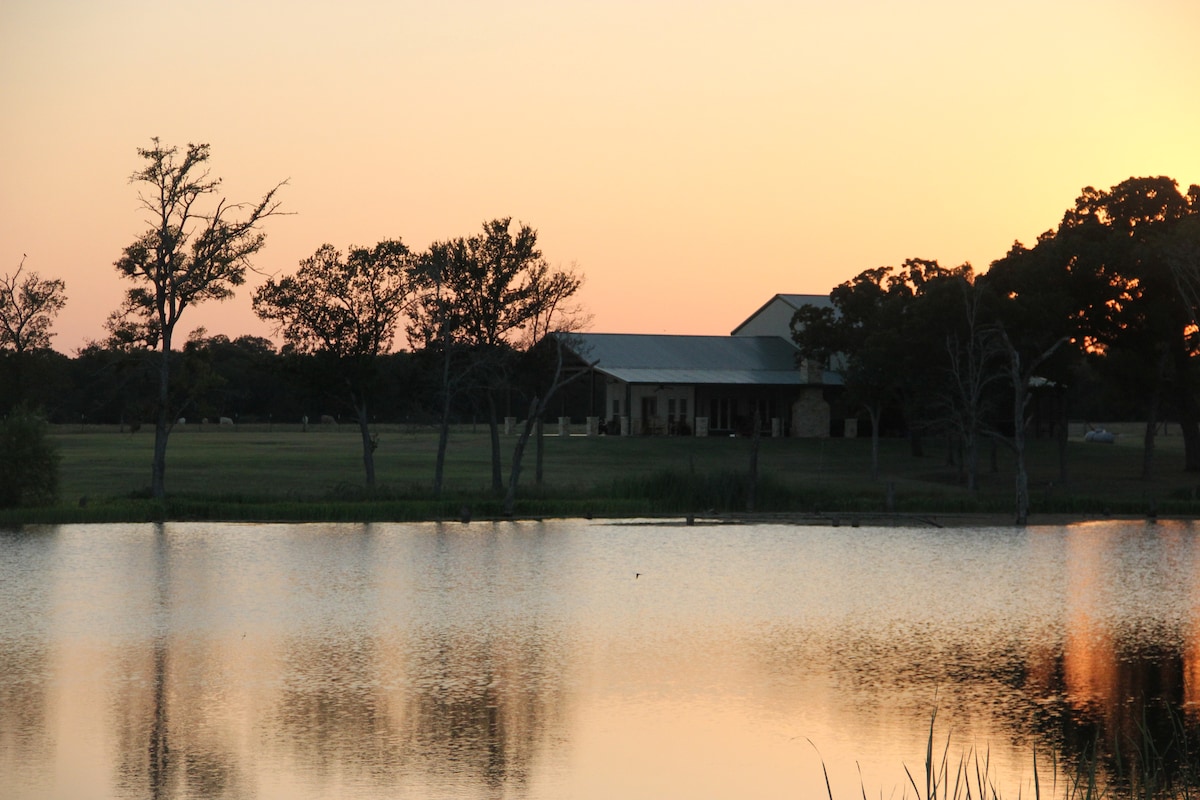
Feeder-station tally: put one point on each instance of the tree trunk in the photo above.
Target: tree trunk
(916, 444)
(494, 432)
(971, 459)
(368, 444)
(439, 469)
(875, 412)
(1189, 414)
(1148, 439)
(537, 409)
(514, 476)
(541, 449)
(1020, 400)
(1152, 420)
(1189, 427)
(1020, 396)
(1022, 488)
(1148, 444)
(162, 427)
(1060, 398)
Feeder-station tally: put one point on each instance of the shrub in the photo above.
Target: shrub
(28, 461)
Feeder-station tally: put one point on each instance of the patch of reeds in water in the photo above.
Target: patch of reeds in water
(1139, 769)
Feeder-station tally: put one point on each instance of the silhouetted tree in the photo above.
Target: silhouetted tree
(1130, 244)
(1034, 322)
(481, 295)
(346, 309)
(28, 307)
(29, 468)
(957, 318)
(882, 344)
(187, 255)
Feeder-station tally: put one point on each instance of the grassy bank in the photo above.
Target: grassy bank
(285, 473)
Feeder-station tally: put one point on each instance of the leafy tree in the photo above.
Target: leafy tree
(1117, 278)
(38, 379)
(855, 331)
(186, 256)
(345, 309)
(237, 378)
(873, 331)
(29, 468)
(481, 295)
(434, 328)
(27, 310)
(111, 385)
(925, 319)
(1129, 241)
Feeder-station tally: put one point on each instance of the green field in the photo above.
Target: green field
(282, 472)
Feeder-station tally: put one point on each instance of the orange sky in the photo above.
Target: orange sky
(692, 158)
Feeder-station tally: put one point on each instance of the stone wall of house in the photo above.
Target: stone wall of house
(810, 415)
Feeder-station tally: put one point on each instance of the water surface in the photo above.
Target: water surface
(574, 659)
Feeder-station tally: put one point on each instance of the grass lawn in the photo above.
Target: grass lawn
(256, 472)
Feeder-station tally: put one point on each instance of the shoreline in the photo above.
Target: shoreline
(59, 515)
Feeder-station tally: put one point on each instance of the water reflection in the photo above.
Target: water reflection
(1122, 680)
(532, 661)
(26, 738)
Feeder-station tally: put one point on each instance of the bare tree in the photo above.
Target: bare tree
(552, 306)
(187, 255)
(973, 365)
(1022, 373)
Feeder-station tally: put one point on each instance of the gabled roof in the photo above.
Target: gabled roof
(650, 358)
(791, 301)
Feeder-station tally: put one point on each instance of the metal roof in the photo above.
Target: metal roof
(651, 358)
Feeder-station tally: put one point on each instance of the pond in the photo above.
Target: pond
(581, 659)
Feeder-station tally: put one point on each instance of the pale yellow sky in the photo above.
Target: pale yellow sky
(692, 158)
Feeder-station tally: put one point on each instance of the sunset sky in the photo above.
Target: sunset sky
(692, 159)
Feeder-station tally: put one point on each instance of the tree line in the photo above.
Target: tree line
(476, 311)
(1099, 315)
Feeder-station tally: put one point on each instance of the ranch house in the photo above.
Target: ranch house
(709, 385)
